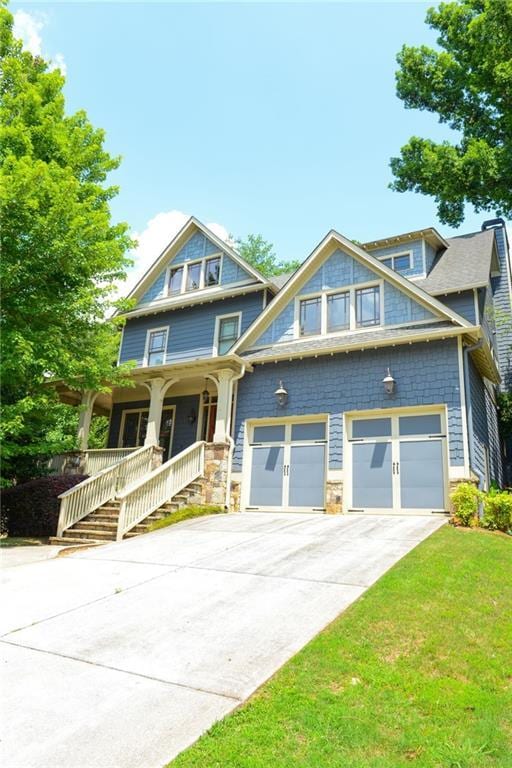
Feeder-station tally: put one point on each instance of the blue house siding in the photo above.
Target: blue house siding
(425, 374)
(496, 465)
(341, 271)
(430, 256)
(463, 303)
(479, 418)
(415, 247)
(197, 247)
(502, 303)
(191, 329)
(184, 432)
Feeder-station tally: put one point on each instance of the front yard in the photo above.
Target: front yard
(416, 673)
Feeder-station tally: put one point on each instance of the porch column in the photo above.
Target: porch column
(84, 421)
(156, 402)
(224, 398)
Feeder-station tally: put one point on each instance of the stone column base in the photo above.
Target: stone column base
(334, 497)
(214, 481)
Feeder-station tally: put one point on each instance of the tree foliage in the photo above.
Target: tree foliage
(61, 254)
(468, 83)
(260, 254)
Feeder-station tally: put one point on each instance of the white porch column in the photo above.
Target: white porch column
(158, 387)
(84, 421)
(224, 398)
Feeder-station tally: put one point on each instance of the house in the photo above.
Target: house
(365, 381)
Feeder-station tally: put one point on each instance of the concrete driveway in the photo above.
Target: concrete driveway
(122, 655)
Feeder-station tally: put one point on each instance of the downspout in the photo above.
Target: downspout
(231, 448)
(469, 415)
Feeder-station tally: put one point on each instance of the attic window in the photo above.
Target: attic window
(400, 262)
(212, 271)
(194, 275)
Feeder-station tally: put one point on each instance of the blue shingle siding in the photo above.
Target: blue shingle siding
(496, 467)
(425, 374)
(184, 432)
(399, 308)
(479, 414)
(339, 271)
(191, 329)
(503, 310)
(430, 256)
(197, 247)
(462, 303)
(415, 247)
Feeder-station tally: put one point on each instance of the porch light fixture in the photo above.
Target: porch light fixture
(205, 394)
(281, 395)
(389, 383)
(192, 416)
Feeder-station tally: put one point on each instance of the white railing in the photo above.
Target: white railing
(93, 461)
(87, 496)
(140, 500)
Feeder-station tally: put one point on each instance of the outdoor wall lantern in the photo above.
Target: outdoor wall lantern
(205, 394)
(281, 395)
(192, 416)
(389, 383)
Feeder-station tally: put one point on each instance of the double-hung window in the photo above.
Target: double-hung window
(156, 343)
(228, 331)
(367, 306)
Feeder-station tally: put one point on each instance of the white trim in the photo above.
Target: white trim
(218, 319)
(477, 307)
(323, 295)
(165, 328)
(424, 256)
(171, 407)
(322, 252)
(121, 345)
(463, 407)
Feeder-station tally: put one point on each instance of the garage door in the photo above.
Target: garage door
(398, 463)
(287, 466)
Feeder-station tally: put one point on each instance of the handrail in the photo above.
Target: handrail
(92, 460)
(79, 501)
(145, 496)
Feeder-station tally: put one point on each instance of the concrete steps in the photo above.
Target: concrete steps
(100, 526)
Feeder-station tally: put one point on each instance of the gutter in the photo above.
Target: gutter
(469, 415)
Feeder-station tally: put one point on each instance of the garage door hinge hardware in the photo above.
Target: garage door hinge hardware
(396, 467)
(437, 435)
(356, 440)
(252, 508)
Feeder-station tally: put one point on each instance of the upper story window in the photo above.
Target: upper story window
(156, 345)
(227, 332)
(194, 275)
(335, 311)
(400, 262)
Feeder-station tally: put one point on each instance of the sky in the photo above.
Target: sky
(270, 118)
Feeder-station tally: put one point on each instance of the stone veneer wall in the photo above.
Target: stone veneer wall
(214, 481)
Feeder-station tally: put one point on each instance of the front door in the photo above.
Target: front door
(287, 466)
(134, 425)
(398, 463)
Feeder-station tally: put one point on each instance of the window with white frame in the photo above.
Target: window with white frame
(193, 275)
(400, 262)
(228, 331)
(156, 344)
(338, 311)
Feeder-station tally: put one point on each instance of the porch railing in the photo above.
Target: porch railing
(143, 498)
(87, 496)
(93, 460)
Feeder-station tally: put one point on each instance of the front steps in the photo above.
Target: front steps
(100, 526)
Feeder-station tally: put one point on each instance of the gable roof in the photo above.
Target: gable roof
(465, 264)
(430, 234)
(327, 246)
(189, 228)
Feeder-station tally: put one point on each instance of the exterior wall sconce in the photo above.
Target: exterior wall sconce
(192, 416)
(281, 395)
(389, 383)
(205, 394)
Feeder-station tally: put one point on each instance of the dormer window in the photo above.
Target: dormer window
(156, 345)
(194, 275)
(400, 262)
(337, 311)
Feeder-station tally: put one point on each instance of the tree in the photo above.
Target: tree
(260, 254)
(61, 254)
(468, 83)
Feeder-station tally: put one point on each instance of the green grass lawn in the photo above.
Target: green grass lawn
(418, 672)
(21, 541)
(187, 513)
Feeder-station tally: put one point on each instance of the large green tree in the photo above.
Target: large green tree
(61, 255)
(260, 254)
(467, 82)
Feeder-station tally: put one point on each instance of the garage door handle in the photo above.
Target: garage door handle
(396, 467)
(286, 469)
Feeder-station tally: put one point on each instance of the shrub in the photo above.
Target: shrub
(465, 500)
(498, 510)
(32, 509)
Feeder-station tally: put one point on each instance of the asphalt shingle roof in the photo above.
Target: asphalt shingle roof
(466, 263)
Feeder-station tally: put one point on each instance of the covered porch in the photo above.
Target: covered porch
(171, 406)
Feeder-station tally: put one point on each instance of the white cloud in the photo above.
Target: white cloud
(157, 234)
(28, 27)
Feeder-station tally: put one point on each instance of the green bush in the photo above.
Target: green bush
(498, 510)
(465, 500)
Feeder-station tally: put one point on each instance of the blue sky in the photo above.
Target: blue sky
(277, 119)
